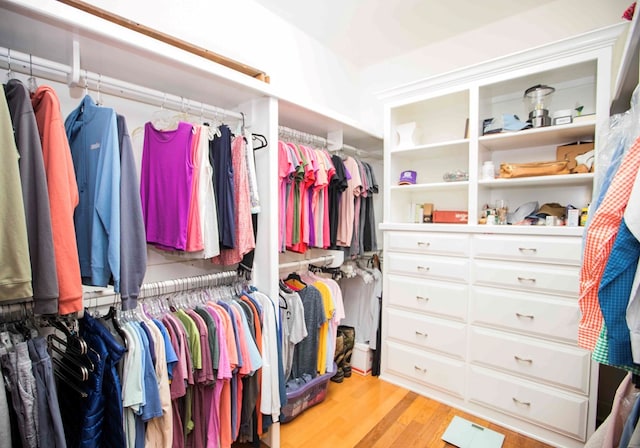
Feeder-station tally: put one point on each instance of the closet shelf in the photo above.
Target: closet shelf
(543, 181)
(107, 48)
(438, 146)
(540, 136)
(436, 186)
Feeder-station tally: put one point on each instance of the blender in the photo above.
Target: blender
(539, 98)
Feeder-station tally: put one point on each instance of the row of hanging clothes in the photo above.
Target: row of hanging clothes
(609, 297)
(325, 200)
(311, 309)
(77, 211)
(195, 368)
(199, 188)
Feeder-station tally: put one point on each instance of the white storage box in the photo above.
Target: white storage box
(361, 359)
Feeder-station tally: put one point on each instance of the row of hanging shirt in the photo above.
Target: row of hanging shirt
(195, 375)
(609, 278)
(325, 201)
(84, 221)
(311, 308)
(199, 188)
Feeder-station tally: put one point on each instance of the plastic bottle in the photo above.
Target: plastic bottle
(584, 215)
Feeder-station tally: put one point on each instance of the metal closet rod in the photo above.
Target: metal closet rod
(325, 260)
(43, 68)
(289, 132)
(285, 131)
(153, 289)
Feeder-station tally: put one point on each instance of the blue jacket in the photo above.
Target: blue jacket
(93, 138)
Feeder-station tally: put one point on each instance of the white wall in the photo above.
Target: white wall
(308, 72)
(548, 23)
(300, 67)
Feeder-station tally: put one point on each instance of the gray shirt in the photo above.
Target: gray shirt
(35, 195)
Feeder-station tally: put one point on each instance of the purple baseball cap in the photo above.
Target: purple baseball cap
(407, 178)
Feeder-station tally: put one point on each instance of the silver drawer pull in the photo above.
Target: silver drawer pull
(523, 403)
(526, 279)
(419, 333)
(422, 268)
(525, 316)
(531, 250)
(519, 359)
(426, 299)
(423, 244)
(420, 369)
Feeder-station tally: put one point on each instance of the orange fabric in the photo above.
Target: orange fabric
(600, 237)
(195, 241)
(63, 196)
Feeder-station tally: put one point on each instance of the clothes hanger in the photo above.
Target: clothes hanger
(32, 84)
(261, 139)
(112, 315)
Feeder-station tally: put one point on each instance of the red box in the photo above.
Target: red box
(450, 216)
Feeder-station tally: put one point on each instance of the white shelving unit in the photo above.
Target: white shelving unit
(498, 303)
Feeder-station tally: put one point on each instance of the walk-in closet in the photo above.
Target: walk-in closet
(269, 223)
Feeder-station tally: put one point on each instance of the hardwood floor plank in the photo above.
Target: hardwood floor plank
(366, 412)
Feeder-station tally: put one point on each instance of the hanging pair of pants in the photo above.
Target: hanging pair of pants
(18, 373)
(50, 429)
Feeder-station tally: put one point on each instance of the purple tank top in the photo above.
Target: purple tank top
(165, 185)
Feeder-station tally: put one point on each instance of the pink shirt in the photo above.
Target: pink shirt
(195, 240)
(347, 204)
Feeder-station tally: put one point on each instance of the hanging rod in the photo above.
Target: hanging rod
(360, 153)
(300, 135)
(153, 289)
(42, 68)
(325, 260)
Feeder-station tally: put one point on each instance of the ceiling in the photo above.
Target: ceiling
(369, 31)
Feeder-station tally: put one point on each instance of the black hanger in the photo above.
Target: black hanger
(284, 287)
(295, 276)
(261, 139)
(113, 315)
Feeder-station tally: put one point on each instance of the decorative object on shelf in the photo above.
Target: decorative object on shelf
(488, 170)
(408, 177)
(539, 97)
(501, 212)
(406, 132)
(507, 122)
(455, 176)
(513, 170)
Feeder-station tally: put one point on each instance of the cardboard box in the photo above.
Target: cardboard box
(361, 359)
(427, 212)
(450, 216)
(570, 151)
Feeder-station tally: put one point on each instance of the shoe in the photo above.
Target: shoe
(349, 334)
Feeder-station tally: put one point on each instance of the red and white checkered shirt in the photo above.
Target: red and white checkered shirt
(600, 237)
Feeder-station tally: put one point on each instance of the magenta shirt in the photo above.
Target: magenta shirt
(165, 185)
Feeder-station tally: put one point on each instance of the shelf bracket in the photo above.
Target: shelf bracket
(73, 77)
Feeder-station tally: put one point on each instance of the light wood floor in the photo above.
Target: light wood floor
(366, 412)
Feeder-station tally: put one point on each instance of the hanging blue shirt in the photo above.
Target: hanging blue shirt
(93, 137)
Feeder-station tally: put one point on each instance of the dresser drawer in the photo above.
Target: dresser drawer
(540, 360)
(427, 368)
(429, 243)
(425, 266)
(428, 296)
(537, 315)
(560, 250)
(559, 411)
(528, 277)
(427, 332)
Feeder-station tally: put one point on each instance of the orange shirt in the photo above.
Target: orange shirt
(63, 196)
